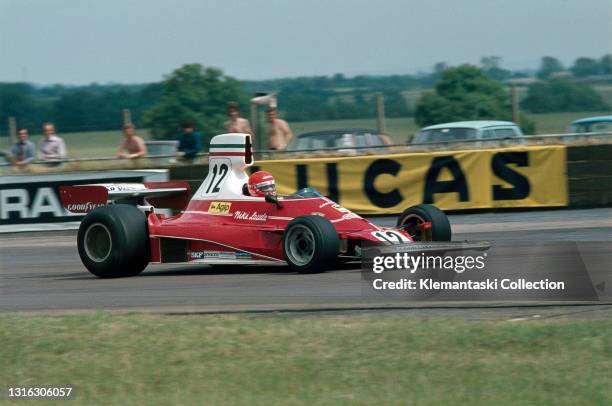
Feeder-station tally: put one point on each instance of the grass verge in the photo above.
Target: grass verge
(158, 359)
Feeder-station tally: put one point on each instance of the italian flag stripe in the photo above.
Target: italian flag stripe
(227, 145)
(226, 154)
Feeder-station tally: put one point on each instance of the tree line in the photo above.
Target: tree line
(200, 94)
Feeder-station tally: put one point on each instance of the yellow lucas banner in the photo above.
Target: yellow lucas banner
(451, 180)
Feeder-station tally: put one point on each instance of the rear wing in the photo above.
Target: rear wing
(85, 198)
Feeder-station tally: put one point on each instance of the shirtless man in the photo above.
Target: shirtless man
(279, 133)
(133, 146)
(236, 124)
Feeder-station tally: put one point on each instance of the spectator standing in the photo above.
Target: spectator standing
(190, 142)
(236, 124)
(279, 133)
(133, 146)
(51, 147)
(23, 151)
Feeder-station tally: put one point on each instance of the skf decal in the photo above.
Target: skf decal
(195, 255)
(202, 256)
(219, 207)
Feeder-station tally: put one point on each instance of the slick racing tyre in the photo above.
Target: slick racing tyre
(113, 241)
(310, 244)
(414, 219)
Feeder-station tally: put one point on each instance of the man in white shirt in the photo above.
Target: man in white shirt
(51, 147)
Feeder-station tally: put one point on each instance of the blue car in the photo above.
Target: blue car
(599, 124)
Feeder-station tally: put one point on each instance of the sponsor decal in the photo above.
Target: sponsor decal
(86, 207)
(390, 236)
(526, 176)
(39, 201)
(125, 187)
(194, 255)
(254, 216)
(317, 213)
(350, 215)
(204, 255)
(219, 207)
(340, 208)
(243, 255)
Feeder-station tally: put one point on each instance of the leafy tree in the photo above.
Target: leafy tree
(491, 66)
(559, 95)
(193, 93)
(19, 100)
(586, 67)
(548, 66)
(437, 70)
(395, 104)
(465, 93)
(606, 64)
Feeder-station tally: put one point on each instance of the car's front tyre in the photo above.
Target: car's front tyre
(425, 223)
(113, 241)
(310, 244)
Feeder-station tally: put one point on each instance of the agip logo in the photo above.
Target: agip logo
(219, 207)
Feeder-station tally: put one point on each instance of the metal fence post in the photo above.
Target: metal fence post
(380, 113)
(127, 117)
(12, 129)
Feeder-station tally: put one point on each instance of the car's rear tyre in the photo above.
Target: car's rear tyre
(310, 244)
(414, 217)
(113, 241)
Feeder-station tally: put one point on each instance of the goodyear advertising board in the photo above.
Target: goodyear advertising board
(452, 180)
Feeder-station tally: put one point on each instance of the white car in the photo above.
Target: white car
(470, 131)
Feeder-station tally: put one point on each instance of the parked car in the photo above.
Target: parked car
(470, 131)
(598, 124)
(353, 139)
(161, 148)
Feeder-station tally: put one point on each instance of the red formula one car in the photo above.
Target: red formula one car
(124, 230)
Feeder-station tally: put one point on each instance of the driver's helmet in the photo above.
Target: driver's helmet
(261, 183)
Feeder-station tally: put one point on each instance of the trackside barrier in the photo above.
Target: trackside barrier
(589, 172)
(521, 176)
(526, 176)
(32, 202)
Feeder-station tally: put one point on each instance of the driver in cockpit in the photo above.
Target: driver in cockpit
(260, 184)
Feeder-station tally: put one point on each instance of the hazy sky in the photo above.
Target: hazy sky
(83, 41)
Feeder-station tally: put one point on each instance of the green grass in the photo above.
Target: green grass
(256, 360)
(558, 123)
(606, 92)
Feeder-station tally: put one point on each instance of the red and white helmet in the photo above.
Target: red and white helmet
(261, 183)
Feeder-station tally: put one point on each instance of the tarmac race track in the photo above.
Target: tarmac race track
(41, 272)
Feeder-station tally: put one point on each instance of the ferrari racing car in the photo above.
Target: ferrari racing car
(230, 219)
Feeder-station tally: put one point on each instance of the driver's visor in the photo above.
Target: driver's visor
(268, 186)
